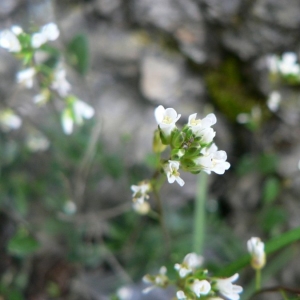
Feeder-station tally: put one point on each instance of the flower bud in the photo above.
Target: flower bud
(158, 146)
(177, 138)
(256, 249)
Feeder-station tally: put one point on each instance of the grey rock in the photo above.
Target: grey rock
(107, 7)
(283, 13)
(8, 6)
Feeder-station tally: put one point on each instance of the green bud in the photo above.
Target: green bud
(192, 151)
(176, 154)
(164, 139)
(158, 146)
(177, 138)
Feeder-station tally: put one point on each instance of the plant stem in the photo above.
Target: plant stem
(283, 295)
(199, 216)
(257, 279)
(162, 220)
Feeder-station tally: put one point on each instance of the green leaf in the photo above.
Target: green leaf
(78, 53)
(267, 163)
(271, 190)
(22, 244)
(273, 245)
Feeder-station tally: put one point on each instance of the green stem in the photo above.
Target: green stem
(283, 295)
(199, 216)
(257, 279)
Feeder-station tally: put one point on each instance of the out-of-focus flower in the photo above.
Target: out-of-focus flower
(125, 293)
(166, 119)
(227, 289)
(26, 77)
(70, 207)
(274, 100)
(256, 249)
(60, 83)
(37, 142)
(190, 262)
(181, 295)
(9, 120)
(16, 29)
(48, 32)
(160, 280)
(140, 191)
(171, 170)
(10, 41)
(288, 64)
(200, 287)
(141, 208)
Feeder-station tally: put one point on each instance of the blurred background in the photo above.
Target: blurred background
(67, 228)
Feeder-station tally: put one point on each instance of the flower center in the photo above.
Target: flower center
(167, 120)
(195, 122)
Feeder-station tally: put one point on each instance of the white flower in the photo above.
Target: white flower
(207, 135)
(190, 262)
(227, 289)
(75, 113)
(9, 41)
(140, 191)
(60, 83)
(200, 287)
(36, 142)
(26, 77)
(218, 160)
(181, 295)
(166, 119)
(141, 208)
(17, 30)
(288, 64)
(160, 280)
(274, 101)
(199, 125)
(256, 249)
(171, 170)
(50, 31)
(125, 293)
(9, 120)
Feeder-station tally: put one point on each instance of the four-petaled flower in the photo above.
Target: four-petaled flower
(171, 170)
(256, 249)
(140, 192)
(200, 287)
(48, 32)
(227, 289)
(190, 262)
(159, 280)
(199, 125)
(166, 119)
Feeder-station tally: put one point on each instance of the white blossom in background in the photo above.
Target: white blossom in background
(142, 208)
(166, 119)
(227, 289)
(171, 170)
(140, 192)
(159, 280)
(181, 295)
(200, 287)
(125, 293)
(190, 262)
(16, 29)
(74, 114)
(60, 83)
(243, 118)
(274, 100)
(70, 207)
(9, 120)
(197, 125)
(37, 142)
(48, 32)
(10, 41)
(288, 64)
(256, 248)
(26, 77)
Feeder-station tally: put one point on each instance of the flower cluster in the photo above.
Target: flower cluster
(49, 77)
(192, 148)
(139, 197)
(194, 283)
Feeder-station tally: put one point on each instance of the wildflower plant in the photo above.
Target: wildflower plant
(43, 70)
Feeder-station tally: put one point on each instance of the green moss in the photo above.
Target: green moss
(229, 91)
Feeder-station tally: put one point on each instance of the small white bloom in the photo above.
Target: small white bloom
(60, 83)
(125, 293)
(50, 31)
(181, 295)
(200, 287)
(227, 289)
(26, 77)
(70, 207)
(38, 39)
(190, 262)
(37, 142)
(141, 207)
(207, 135)
(166, 119)
(256, 249)
(243, 118)
(288, 64)
(9, 120)
(199, 125)
(82, 110)
(171, 170)
(160, 280)
(140, 192)
(67, 121)
(274, 101)
(9, 41)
